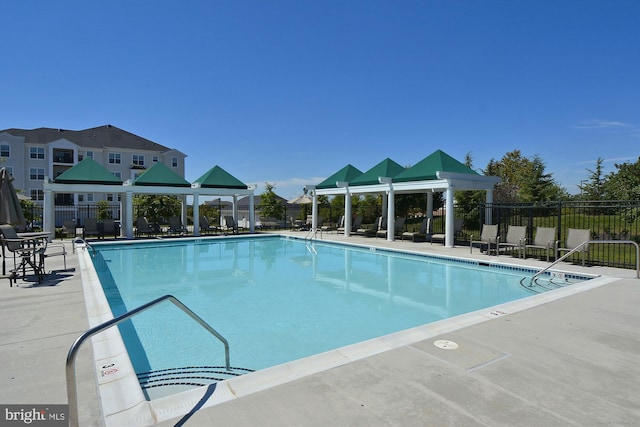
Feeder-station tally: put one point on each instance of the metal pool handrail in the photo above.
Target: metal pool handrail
(72, 393)
(587, 243)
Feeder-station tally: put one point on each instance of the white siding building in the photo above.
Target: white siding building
(30, 155)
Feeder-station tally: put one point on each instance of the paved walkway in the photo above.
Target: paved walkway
(573, 361)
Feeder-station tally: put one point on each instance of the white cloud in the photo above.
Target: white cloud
(602, 124)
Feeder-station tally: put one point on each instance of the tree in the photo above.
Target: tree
(594, 187)
(624, 183)
(269, 205)
(157, 207)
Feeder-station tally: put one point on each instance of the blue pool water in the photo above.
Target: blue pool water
(278, 299)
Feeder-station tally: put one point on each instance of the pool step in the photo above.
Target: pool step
(193, 376)
(543, 284)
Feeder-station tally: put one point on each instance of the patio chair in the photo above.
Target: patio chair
(28, 251)
(206, 227)
(371, 231)
(230, 224)
(68, 228)
(143, 227)
(110, 227)
(516, 236)
(544, 240)
(457, 229)
(575, 239)
(340, 225)
(176, 227)
(397, 228)
(424, 232)
(488, 235)
(91, 228)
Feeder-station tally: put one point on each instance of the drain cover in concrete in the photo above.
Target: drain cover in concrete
(446, 344)
(466, 354)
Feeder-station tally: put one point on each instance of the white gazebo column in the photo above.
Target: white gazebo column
(347, 208)
(314, 207)
(252, 214)
(183, 213)
(49, 214)
(391, 209)
(489, 208)
(121, 196)
(449, 221)
(127, 222)
(196, 215)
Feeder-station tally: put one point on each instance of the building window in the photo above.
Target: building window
(5, 151)
(174, 162)
(80, 156)
(115, 158)
(37, 195)
(9, 170)
(109, 197)
(90, 154)
(36, 152)
(90, 197)
(138, 160)
(155, 159)
(81, 197)
(36, 174)
(118, 174)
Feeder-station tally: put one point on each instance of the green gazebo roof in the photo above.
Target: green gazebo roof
(217, 177)
(426, 168)
(387, 168)
(347, 173)
(88, 171)
(160, 175)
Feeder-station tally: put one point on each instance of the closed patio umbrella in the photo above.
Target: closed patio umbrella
(301, 200)
(10, 209)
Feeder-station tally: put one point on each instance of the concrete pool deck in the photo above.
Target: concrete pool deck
(572, 361)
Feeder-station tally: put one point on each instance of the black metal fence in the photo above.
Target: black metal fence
(606, 220)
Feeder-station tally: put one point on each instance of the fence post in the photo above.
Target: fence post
(559, 236)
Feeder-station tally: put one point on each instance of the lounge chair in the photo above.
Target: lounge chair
(424, 232)
(488, 235)
(176, 227)
(371, 229)
(457, 229)
(143, 227)
(206, 227)
(397, 228)
(230, 224)
(575, 238)
(516, 236)
(543, 240)
(110, 227)
(340, 225)
(91, 228)
(68, 228)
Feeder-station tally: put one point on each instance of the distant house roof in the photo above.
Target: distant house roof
(98, 137)
(217, 177)
(244, 202)
(426, 169)
(88, 171)
(160, 175)
(387, 168)
(347, 173)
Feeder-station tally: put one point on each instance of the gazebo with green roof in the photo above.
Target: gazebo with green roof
(438, 172)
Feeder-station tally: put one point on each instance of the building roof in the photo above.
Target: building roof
(347, 173)
(386, 168)
(160, 175)
(426, 169)
(88, 171)
(217, 177)
(98, 137)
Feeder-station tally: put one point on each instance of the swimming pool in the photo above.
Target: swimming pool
(280, 299)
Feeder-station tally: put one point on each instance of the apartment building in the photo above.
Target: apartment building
(32, 155)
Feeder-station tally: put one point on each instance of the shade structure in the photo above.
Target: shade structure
(217, 177)
(10, 209)
(346, 174)
(301, 200)
(386, 168)
(88, 171)
(160, 175)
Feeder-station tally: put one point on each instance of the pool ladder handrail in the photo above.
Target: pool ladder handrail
(313, 234)
(84, 242)
(587, 242)
(72, 393)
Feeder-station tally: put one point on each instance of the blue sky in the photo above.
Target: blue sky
(290, 91)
